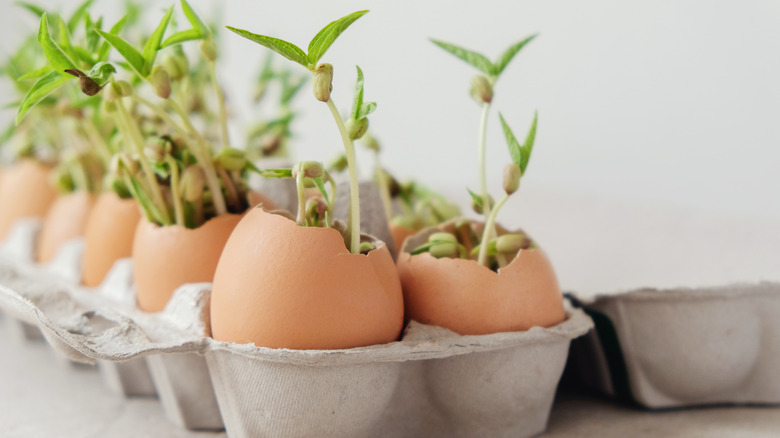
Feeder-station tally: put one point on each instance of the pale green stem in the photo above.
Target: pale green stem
(160, 112)
(482, 162)
(301, 216)
(221, 100)
(353, 221)
(486, 233)
(138, 142)
(232, 192)
(203, 155)
(177, 205)
(384, 190)
(96, 139)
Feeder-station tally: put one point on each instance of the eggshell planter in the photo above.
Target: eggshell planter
(164, 258)
(65, 221)
(25, 193)
(470, 299)
(108, 236)
(684, 347)
(281, 285)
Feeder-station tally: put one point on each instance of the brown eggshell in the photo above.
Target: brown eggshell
(257, 198)
(164, 258)
(108, 236)
(280, 285)
(66, 220)
(400, 233)
(25, 192)
(470, 299)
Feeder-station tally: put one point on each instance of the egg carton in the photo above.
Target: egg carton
(432, 382)
(684, 347)
(54, 287)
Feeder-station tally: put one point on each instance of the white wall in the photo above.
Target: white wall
(665, 101)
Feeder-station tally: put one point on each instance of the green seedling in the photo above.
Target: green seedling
(482, 90)
(322, 78)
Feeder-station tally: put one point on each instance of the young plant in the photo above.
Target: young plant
(482, 92)
(172, 161)
(269, 138)
(322, 77)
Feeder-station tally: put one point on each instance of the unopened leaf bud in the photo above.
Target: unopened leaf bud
(371, 143)
(477, 204)
(175, 67)
(481, 90)
(161, 81)
(193, 181)
(231, 159)
(322, 82)
(442, 237)
(123, 88)
(338, 164)
(511, 243)
(357, 128)
(108, 106)
(310, 169)
(366, 247)
(209, 49)
(512, 174)
(444, 249)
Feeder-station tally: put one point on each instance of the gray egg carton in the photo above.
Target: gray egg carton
(684, 347)
(433, 382)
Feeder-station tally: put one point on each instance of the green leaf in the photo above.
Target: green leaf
(78, 14)
(510, 53)
(101, 72)
(93, 39)
(325, 38)
(154, 41)
(357, 101)
(6, 135)
(180, 37)
(45, 86)
(478, 201)
(520, 154)
(56, 56)
(276, 173)
(366, 109)
(133, 56)
(35, 74)
(36, 10)
(475, 59)
(290, 89)
(84, 55)
(288, 50)
(115, 29)
(63, 38)
(194, 20)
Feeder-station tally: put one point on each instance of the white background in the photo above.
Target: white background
(667, 102)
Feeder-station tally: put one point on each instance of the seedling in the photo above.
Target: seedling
(491, 250)
(322, 78)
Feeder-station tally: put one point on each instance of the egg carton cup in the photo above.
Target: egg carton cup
(684, 347)
(48, 300)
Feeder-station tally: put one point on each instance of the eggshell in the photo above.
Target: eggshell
(164, 258)
(25, 192)
(66, 220)
(108, 236)
(400, 233)
(280, 285)
(256, 198)
(470, 299)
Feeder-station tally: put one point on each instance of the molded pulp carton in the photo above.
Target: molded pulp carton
(685, 347)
